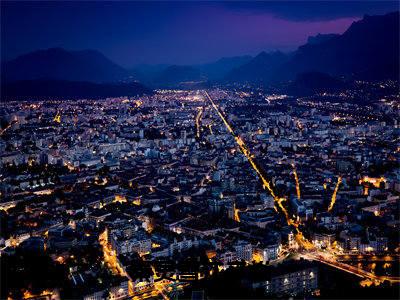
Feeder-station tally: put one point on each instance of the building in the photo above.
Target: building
(287, 279)
(294, 283)
(244, 250)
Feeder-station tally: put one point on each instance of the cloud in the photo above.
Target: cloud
(313, 10)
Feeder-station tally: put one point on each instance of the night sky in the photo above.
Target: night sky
(131, 33)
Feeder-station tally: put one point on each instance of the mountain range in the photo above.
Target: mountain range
(367, 46)
(259, 69)
(368, 49)
(60, 64)
(174, 75)
(56, 72)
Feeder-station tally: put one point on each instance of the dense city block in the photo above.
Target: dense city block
(176, 193)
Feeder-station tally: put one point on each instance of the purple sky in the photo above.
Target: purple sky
(227, 33)
(174, 32)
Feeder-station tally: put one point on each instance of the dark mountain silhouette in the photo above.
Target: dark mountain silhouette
(314, 82)
(220, 68)
(368, 45)
(60, 64)
(368, 49)
(147, 73)
(62, 89)
(176, 75)
(320, 38)
(172, 75)
(258, 69)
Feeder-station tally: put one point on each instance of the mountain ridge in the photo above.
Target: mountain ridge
(358, 48)
(357, 54)
(61, 64)
(368, 49)
(258, 68)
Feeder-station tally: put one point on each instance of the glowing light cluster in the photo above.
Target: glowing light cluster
(333, 200)
(296, 178)
(120, 199)
(376, 182)
(210, 128)
(236, 214)
(198, 117)
(57, 118)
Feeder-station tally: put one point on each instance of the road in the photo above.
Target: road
(266, 183)
(368, 258)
